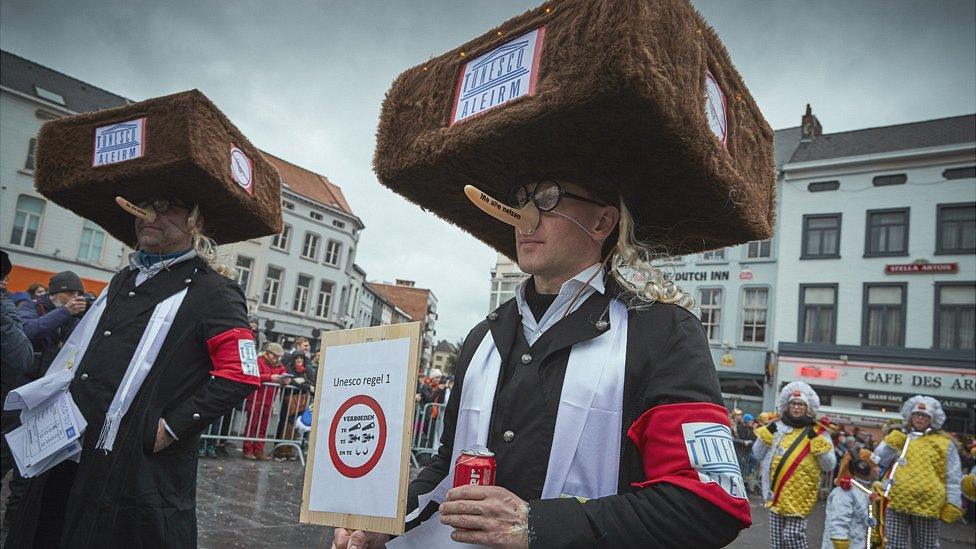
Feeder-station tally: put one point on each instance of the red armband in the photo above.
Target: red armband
(690, 445)
(233, 356)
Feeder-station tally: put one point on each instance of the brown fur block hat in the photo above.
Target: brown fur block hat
(175, 146)
(631, 97)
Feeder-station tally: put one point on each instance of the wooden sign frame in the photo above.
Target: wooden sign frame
(350, 521)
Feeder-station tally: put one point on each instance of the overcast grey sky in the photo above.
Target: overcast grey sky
(304, 80)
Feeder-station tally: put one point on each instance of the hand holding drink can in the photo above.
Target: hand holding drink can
(475, 465)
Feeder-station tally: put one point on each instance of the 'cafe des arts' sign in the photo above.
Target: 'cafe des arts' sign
(954, 383)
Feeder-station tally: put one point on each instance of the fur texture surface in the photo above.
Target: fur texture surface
(619, 106)
(186, 155)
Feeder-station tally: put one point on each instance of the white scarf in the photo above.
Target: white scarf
(584, 460)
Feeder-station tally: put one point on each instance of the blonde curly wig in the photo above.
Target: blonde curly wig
(637, 267)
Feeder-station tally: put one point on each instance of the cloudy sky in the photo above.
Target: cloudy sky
(304, 80)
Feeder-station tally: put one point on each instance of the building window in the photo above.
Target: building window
(885, 180)
(755, 303)
(332, 253)
(324, 302)
(821, 236)
(759, 249)
(272, 287)
(31, 152)
(956, 229)
(886, 233)
(280, 241)
(315, 215)
(245, 266)
(92, 238)
(49, 95)
(818, 313)
(955, 316)
(302, 289)
(960, 173)
(338, 224)
(710, 303)
(27, 221)
(884, 315)
(821, 186)
(288, 205)
(310, 247)
(713, 255)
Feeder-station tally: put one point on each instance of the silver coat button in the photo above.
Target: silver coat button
(602, 325)
(132, 294)
(106, 333)
(508, 436)
(492, 316)
(526, 358)
(196, 417)
(84, 377)
(189, 280)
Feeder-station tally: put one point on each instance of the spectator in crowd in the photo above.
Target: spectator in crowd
(16, 356)
(36, 290)
(293, 403)
(258, 403)
(19, 297)
(259, 339)
(431, 392)
(302, 347)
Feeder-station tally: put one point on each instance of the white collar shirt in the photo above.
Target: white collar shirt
(533, 329)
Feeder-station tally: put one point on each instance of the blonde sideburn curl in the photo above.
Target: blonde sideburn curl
(206, 248)
(632, 265)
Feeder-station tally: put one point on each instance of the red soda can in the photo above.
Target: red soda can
(476, 465)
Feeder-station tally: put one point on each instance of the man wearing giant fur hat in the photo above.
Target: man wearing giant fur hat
(922, 485)
(166, 348)
(604, 131)
(792, 452)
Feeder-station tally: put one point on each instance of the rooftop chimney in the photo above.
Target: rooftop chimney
(811, 126)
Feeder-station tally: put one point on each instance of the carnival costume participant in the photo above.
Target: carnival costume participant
(922, 486)
(594, 386)
(849, 512)
(792, 451)
(166, 348)
(969, 480)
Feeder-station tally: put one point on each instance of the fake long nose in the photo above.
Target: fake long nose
(525, 219)
(148, 214)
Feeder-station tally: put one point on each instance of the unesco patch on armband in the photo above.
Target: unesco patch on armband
(711, 452)
(249, 357)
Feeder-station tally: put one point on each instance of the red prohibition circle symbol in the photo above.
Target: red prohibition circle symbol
(346, 470)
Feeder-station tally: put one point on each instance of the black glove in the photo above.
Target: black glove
(771, 426)
(811, 433)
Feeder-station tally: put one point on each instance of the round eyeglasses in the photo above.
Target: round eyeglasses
(162, 205)
(545, 195)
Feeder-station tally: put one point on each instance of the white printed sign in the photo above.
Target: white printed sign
(360, 428)
(716, 109)
(241, 169)
(505, 73)
(119, 142)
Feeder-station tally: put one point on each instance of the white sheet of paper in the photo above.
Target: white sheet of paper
(429, 534)
(50, 428)
(37, 392)
(349, 432)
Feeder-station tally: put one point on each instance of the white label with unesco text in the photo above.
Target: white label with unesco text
(711, 452)
(119, 142)
(505, 73)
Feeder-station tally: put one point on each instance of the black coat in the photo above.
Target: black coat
(668, 361)
(131, 497)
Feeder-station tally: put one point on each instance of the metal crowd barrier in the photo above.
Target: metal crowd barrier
(428, 424)
(266, 418)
